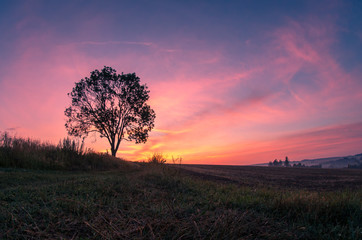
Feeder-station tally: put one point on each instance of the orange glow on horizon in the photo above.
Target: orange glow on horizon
(222, 95)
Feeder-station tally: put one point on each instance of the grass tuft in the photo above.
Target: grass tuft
(69, 154)
(157, 158)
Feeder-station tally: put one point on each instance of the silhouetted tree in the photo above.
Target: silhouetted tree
(114, 105)
(275, 162)
(356, 166)
(298, 165)
(286, 162)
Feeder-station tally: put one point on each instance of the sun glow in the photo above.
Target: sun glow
(234, 88)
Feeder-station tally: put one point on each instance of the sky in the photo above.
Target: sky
(231, 82)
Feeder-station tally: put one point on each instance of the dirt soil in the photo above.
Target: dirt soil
(279, 177)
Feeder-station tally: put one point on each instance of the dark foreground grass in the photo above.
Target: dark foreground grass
(156, 202)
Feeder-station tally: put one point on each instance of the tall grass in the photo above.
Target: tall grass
(69, 154)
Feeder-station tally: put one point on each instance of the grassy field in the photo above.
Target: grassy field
(150, 201)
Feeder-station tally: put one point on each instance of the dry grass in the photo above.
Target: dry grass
(152, 202)
(67, 155)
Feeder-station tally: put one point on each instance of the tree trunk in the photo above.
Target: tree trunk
(114, 152)
(113, 149)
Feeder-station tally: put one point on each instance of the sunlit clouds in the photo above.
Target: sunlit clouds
(233, 88)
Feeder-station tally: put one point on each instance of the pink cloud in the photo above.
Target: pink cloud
(216, 122)
(115, 43)
(208, 110)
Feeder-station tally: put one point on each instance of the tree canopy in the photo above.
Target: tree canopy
(114, 105)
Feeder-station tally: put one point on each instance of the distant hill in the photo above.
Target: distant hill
(334, 162)
(331, 162)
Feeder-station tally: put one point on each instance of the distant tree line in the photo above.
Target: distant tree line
(355, 166)
(280, 163)
(286, 163)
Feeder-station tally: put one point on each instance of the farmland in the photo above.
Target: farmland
(280, 177)
(150, 201)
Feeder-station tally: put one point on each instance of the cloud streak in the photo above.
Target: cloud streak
(148, 44)
(261, 91)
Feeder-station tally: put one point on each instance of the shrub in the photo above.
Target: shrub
(157, 158)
